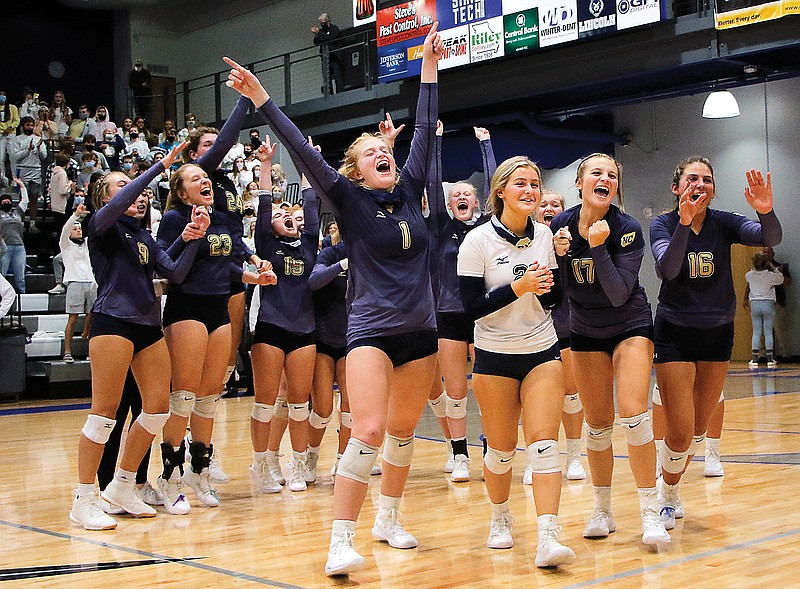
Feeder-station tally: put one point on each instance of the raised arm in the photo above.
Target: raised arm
(758, 193)
(227, 136)
(489, 163)
(433, 183)
(326, 268)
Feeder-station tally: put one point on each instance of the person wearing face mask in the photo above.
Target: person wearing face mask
(137, 146)
(129, 167)
(104, 123)
(27, 154)
(191, 125)
(89, 166)
(326, 35)
(139, 82)
(12, 227)
(82, 125)
(60, 189)
(112, 147)
(90, 145)
(30, 105)
(9, 121)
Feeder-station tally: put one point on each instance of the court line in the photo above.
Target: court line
(189, 563)
(45, 409)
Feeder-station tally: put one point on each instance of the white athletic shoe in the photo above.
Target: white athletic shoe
(335, 466)
(201, 485)
(460, 473)
(311, 467)
(752, 364)
(215, 472)
(342, 556)
(124, 495)
(387, 528)
(297, 476)
(575, 470)
(450, 464)
(274, 465)
(527, 477)
(262, 477)
(653, 530)
(377, 468)
(87, 513)
(600, 525)
(150, 495)
(550, 552)
(108, 508)
(713, 466)
(175, 501)
(772, 364)
(500, 531)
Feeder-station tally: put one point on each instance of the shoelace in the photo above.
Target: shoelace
(713, 455)
(600, 515)
(501, 524)
(391, 522)
(344, 542)
(549, 536)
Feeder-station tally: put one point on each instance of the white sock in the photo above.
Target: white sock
(602, 499)
(499, 509)
(85, 488)
(259, 457)
(125, 476)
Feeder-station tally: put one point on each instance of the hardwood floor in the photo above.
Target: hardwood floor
(741, 530)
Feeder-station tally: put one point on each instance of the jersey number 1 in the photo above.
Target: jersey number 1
(405, 231)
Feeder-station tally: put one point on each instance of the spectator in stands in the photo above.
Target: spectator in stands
(9, 121)
(60, 189)
(137, 146)
(83, 125)
(45, 127)
(255, 139)
(62, 114)
(234, 153)
(278, 176)
(169, 124)
(78, 276)
(144, 131)
(27, 154)
(113, 147)
(125, 130)
(89, 165)
(104, 123)
(129, 167)
(170, 139)
(7, 296)
(11, 229)
(139, 81)
(191, 125)
(327, 33)
(90, 145)
(30, 104)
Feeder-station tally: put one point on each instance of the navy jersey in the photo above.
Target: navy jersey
(560, 314)
(449, 232)
(124, 257)
(695, 269)
(288, 304)
(605, 297)
(389, 267)
(329, 283)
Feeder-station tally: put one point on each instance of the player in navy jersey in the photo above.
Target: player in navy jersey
(284, 333)
(600, 249)
(126, 332)
(391, 331)
(696, 306)
(450, 223)
(506, 279)
(551, 205)
(197, 329)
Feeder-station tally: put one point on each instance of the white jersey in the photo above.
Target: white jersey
(522, 327)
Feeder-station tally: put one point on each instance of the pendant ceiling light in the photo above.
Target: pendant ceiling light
(720, 105)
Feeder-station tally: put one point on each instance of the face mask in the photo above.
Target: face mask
(108, 137)
(83, 115)
(2, 99)
(101, 117)
(89, 147)
(89, 165)
(127, 167)
(134, 137)
(190, 123)
(249, 212)
(76, 241)
(28, 131)
(6, 206)
(257, 175)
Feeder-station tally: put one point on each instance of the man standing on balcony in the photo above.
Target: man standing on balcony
(139, 82)
(327, 33)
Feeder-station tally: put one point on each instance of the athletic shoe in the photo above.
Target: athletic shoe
(460, 469)
(752, 364)
(667, 516)
(68, 358)
(123, 494)
(377, 468)
(175, 501)
(713, 466)
(87, 513)
(58, 289)
(671, 504)
(550, 552)
(653, 530)
(201, 486)
(215, 472)
(450, 464)
(600, 525)
(387, 528)
(527, 477)
(150, 495)
(342, 556)
(275, 470)
(311, 467)
(263, 478)
(335, 466)
(108, 508)
(575, 470)
(297, 477)
(772, 364)
(500, 531)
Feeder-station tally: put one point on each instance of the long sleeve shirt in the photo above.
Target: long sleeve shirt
(75, 256)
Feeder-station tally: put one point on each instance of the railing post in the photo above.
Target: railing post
(326, 70)
(287, 78)
(217, 98)
(367, 69)
(185, 99)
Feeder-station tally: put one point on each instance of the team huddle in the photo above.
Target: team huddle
(546, 301)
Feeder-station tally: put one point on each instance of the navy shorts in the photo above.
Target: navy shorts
(516, 366)
(141, 336)
(403, 347)
(210, 310)
(274, 336)
(455, 326)
(679, 343)
(335, 352)
(583, 343)
(564, 343)
(237, 287)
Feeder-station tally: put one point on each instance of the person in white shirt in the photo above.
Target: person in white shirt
(104, 123)
(30, 105)
(760, 297)
(78, 276)
(27, 154)
(7, 296)
(137, 147)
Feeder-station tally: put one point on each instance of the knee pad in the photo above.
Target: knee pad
(262, 412)
(347, 420)
(671, 461)
(439, 406)
(398, 451)
(298, 411)
(206, 406)
(572, 404)
(318, 422)
(598, 438)
(152, 422)
(698, 445)
(181, 403)
(281, 409)
(357, 461)
(656, 395)
(98, 428)
(456, 408)
(498, 462)
(228, 371)
(543, 457)
(638, 429)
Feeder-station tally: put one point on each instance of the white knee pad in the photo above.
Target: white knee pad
(298, 411)
(671, 461)
(181, 403)
(206, 406)
(543, 456)
(228, 371)
(357, 461)
(498, 462)
(281, 409)
(98, 428)
(638, 429)
(698, 445)
(572, 404)
(317, 421)
(456, 408)
(656, 395)
(152, 422)
(598, 438)
(398, 451)
(347, 420)
(262, 412)
(439, 405)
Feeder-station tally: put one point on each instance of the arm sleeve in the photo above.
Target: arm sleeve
(551, 300)
(325, 270)
(263, 234)
(423, 141)
(176, 271)
(107, 216)
(479, 303)
(489, 167)
(311, 213)
(227, 136)
(617, 277)
(435, 189)
(668, 250)
(767, 232)
(169, 234)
